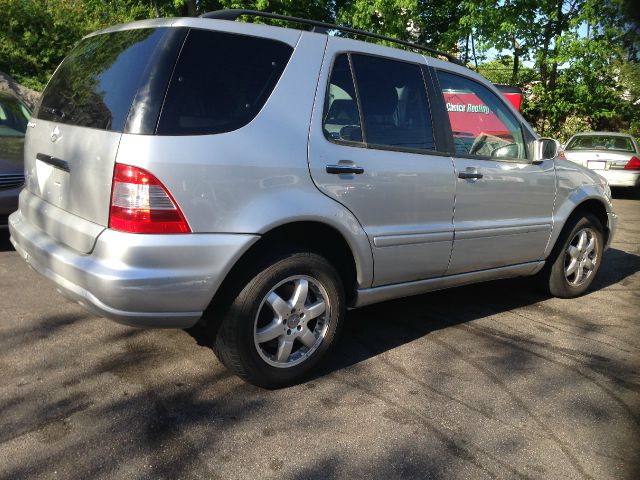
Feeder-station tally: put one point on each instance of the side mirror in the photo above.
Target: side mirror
(545, 149)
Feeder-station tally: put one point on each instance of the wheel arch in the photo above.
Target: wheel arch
(593, 204)
(312, 235)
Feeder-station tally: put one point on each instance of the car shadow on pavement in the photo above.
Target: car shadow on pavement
(378, 328)
(622, 193)
(375, 329)
(119, 400)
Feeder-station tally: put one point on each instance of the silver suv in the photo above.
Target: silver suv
(266, 179)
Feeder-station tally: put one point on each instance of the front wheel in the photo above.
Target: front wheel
(576, 259)
(283, 321)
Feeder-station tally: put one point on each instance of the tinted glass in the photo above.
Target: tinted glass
(341, 119)
(221, 82)
(394, 103)
(601, 142)
(95, 85)
(482, 124)
(14, 117)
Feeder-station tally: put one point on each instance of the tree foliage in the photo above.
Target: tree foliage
(577, 59)
(584, 54)
(35, 35)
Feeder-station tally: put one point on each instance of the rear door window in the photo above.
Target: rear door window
(394, 103)
(96, 83)
(221, 81)
(341, 119)
(481, 123)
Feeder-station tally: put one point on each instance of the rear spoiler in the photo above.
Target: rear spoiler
(513, 94)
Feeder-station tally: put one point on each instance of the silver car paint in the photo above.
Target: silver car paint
(404, 201)
(230, 196)
(60, 225)
(84, 191)
(506, 217)
(264, 184)
(141, 280)
(576, 185)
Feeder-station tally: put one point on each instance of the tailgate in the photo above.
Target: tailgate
(71, 168)
(72, 142)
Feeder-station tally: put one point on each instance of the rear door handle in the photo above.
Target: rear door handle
(341, 169)
(53, 161)
(470, 173)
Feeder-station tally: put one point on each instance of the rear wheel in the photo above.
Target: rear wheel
(283, 321)
(576, 259)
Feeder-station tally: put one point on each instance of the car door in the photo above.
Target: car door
(372, 149)
(504, 201)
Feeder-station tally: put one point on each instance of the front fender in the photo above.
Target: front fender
(577, 185)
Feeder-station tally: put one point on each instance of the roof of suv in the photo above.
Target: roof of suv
(323, 27)
(223, 17)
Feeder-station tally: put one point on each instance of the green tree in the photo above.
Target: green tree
(510, 26)
(35, 35)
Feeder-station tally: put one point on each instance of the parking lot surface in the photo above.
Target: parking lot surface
(488, 381)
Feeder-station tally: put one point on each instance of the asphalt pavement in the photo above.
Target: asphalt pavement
(488, 381)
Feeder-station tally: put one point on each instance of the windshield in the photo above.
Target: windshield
(14, 117)
(601, 142)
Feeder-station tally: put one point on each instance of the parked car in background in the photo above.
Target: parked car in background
(615, 156)
(14, 116)
(266, 179)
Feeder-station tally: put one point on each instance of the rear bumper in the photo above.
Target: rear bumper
(140, 280)
(621, 178)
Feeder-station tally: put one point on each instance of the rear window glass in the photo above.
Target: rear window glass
(601, 142)
(221, 82)
(95, 85)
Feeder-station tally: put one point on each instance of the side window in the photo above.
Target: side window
(394, 103)
(341, 120)
(220, 82)
(481, 123)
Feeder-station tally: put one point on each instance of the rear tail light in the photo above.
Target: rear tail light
(633, 164)
(141, 204)
(562, 155)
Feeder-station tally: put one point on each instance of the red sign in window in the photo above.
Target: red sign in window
(470, 116)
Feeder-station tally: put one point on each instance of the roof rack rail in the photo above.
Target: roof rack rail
(323, 27)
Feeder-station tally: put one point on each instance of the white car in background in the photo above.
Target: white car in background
(612, 155)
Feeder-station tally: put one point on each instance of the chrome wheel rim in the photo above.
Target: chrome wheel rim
(581, 257)
(292, 321)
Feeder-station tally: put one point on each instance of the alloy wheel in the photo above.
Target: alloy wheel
(292, 321)
(581, 257)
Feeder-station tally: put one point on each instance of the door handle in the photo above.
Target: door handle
(342, 169)
(53, 161)
(470, 173)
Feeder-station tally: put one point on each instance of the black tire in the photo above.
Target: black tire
(237, 341)
(554, 275)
